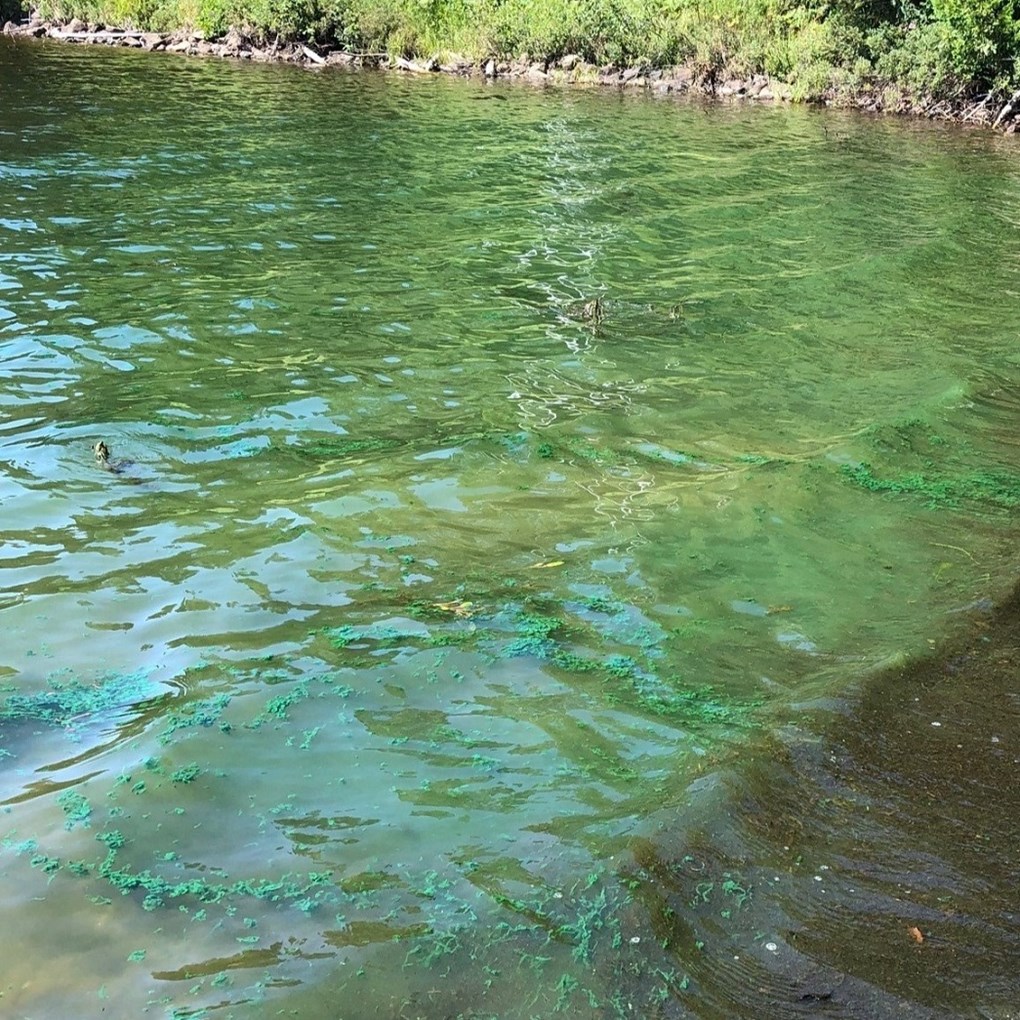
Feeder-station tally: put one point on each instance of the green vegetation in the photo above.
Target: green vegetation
(920, 462)
(909, 52)
(999, 489)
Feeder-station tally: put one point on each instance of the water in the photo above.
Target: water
(437, 650)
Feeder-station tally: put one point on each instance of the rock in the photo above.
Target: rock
(663, 86)
(570, 61)
(403, 64)
(10, 28)
(765, 94)
(457, 63)
(77, 25)
(234, 40)
(153, 41)
(630, 74)
(490, 68)
(339, 58)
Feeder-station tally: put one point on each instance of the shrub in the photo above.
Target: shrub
(983, 38)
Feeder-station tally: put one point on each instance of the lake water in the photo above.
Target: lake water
(532, 512)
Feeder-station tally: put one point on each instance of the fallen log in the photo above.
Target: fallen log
(1006, 113)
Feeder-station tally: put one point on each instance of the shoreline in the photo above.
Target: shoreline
(568, 70)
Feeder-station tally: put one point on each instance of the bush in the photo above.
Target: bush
(983, 38)
(919, 60)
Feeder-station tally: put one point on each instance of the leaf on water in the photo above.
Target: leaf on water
(772, 610)
(458, 607)
(916, 935)
(549, 563)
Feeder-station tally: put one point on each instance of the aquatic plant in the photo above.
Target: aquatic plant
(73, 703)
(995, 489)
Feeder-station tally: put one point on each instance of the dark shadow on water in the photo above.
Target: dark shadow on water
(879, 847)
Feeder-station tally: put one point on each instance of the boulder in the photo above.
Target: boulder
(490, 68)
(235, 41)
(570, 61)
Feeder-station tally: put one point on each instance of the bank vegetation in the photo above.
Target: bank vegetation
(957, 56)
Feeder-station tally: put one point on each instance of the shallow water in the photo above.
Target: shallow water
(435, 649)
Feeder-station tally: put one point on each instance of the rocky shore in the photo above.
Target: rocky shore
(568, 69)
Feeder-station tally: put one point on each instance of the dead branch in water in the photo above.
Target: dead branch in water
(1007, 112)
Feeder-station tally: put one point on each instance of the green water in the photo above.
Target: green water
(421, 602)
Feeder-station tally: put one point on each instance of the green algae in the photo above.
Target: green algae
(202, 713)
(186, 774)
(922, 463)
(999, 490)
(73, 704)
(541, 626)
(76, 808)
(343, 447)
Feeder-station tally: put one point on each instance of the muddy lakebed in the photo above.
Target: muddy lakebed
(557, 559)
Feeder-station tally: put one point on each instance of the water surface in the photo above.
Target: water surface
(436, 649)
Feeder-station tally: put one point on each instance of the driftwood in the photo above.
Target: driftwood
(1007, 112)
(312, 55)
(975, 109)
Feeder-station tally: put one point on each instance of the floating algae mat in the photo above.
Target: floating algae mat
(419, 606)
